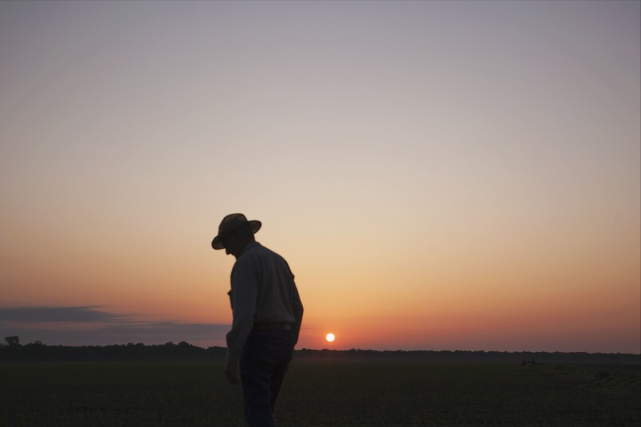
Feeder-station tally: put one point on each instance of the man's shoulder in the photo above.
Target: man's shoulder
(269, 252)
(258, 257)
(252, 251)
(255, 249)
(258, 251)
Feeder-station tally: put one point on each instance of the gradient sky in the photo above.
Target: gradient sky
(440, 176)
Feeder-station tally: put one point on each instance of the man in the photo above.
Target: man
(267, 315)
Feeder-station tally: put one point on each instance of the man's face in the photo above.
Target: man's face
(231, 244)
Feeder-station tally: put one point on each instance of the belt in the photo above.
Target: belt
(263, 326)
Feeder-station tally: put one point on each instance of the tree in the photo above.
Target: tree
(13, 340)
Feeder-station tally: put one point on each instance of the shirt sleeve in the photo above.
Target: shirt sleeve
(297, 306)
(244, 293)
(297, 309)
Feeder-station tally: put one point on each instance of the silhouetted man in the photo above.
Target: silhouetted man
(267, 313)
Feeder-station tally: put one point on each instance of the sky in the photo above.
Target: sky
(439, 175)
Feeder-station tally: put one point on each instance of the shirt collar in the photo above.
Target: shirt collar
(249, 247)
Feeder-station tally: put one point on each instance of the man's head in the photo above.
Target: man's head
(234, 233)
(235, 242)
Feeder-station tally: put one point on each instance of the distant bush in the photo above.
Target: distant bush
(12, 340)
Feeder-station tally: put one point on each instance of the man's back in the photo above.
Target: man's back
(275, 288)
(262, 291)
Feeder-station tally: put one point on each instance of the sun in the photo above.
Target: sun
(330, 337)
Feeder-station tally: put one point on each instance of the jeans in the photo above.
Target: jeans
(263, 365)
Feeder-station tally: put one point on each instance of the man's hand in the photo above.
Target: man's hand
(230, 372)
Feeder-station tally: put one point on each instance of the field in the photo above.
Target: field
(322, 394)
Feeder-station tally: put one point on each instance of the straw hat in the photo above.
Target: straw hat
(231, 223)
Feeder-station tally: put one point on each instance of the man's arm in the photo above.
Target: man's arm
(244, 292)
(297, 309)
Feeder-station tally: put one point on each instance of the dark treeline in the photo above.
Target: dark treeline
(185, 352)
(181, 352)
(471, 356)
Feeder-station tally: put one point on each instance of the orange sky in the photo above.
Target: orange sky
(448, 176)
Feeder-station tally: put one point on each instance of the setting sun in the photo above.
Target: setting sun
(330, 337)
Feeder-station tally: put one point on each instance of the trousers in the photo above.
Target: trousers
(263, 364)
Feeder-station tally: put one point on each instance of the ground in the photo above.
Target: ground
(322, 394)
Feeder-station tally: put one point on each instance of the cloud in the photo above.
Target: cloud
(56, 314)
(88, 326)
(181, 331)
(473, 190)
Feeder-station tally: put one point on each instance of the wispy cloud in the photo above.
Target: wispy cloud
(473, 190)
(56, 314)
(88, 326)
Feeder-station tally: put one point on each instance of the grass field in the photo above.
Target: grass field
(322, 394)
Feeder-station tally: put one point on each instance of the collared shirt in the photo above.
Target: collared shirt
(262, 291)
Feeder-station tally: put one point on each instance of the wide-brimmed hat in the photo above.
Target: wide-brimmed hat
(231, 223)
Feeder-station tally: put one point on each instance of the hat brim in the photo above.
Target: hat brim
(217, 243)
